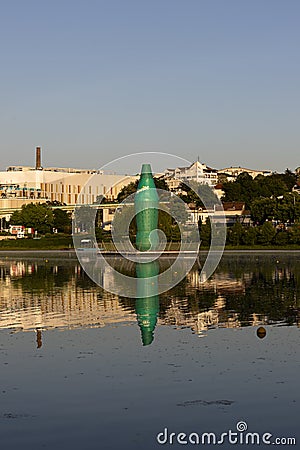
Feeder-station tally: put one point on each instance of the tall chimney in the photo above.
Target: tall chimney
(38, 163)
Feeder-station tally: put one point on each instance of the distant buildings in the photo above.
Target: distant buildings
(231, 173)
(197, 172)
(22, 184)
(233, 212)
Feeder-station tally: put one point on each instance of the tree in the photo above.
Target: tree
(36, 215)
(290, 179)
(295, 234)
(201, 195)
(102, 235)
(205, 233)
(178, 210)
(288, 208)
(55, 203)
(235, 234)
(250, 236)
(271, 186)
(282, 237)
(263, 209)
(267, 233)
(62, 221)
(247, 189)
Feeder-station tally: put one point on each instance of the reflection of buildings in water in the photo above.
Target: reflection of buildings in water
(200, 321)
(76, 302)
(66, 306)
(258, 319)
(219, 282)
(61, 309)
(216, 319)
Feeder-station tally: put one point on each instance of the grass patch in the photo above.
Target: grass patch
(65, 242)
(59, 242)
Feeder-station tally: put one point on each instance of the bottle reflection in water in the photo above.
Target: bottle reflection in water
(147, 303)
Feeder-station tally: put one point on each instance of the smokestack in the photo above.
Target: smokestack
(38, 163)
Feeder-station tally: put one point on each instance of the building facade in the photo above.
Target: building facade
(231, 173)
(21, 185)
(197, 172)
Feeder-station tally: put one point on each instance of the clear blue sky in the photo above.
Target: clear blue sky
(90, 81)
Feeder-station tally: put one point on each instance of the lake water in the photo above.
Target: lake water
(85, 369)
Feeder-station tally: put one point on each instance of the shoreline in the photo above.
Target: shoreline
(168, 254)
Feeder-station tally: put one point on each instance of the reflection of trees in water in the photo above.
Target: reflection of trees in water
(268, 295)
(272, 287)
(190, 301)
(83, 281)
(264, 285)
(47, 277)
(269, 264)
(269, 289)
(44, 278)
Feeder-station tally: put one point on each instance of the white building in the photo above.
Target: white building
(22, 184)
(197, 171)
(233, 172)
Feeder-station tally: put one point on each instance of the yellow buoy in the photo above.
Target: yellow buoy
(261, 332)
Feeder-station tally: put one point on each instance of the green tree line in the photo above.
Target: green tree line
(43, 217)
(267, 198)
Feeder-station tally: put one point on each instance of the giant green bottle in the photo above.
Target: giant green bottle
(146, 220)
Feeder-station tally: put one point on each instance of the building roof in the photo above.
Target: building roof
(233, 206)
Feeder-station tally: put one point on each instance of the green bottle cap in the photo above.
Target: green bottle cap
(146, 168)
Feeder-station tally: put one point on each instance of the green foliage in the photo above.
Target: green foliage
(288, 208)
(282, 238)
(199, 194)
(235, 234)
(263, 209)
(36, 215)
(263, 235)
(284, 209)
(102, 235)
(249, 236)
(128, 190)
(165, 224)
(295, 235)
(161, 184)
(54, 242)
(247, 190)
(178, 210)
(267, 234)
(55, 203)
(62, 221)
(205, 233)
